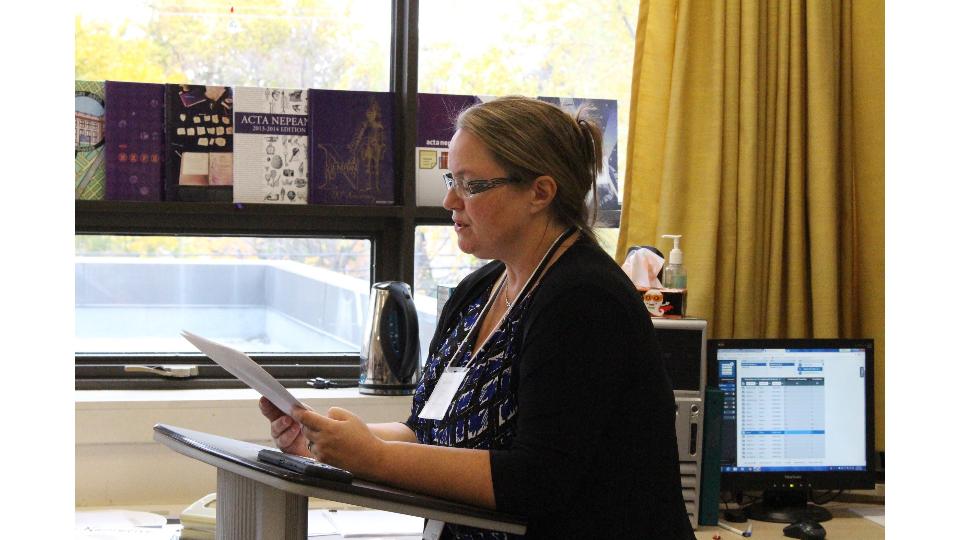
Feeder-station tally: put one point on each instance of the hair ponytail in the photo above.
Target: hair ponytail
(592, 144)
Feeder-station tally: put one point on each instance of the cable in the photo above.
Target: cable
(321, 383)
(825, 501)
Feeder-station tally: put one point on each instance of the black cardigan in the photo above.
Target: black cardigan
(595, 454)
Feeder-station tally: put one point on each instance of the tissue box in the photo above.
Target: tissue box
(666, 303)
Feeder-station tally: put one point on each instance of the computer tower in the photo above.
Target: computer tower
(683, 345)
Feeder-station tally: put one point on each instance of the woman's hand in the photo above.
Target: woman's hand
(343, 440)
(285, 431)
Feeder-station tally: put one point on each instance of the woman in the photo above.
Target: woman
(560, 409)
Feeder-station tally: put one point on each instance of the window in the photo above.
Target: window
(262, 295)
(278, 44)
(183, 250)
(227, 273)
(437, 262)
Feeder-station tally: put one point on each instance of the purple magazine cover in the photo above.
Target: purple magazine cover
(436, 114)
(351, 148)
(134, 140)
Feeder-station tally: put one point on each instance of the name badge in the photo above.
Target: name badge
(442, 395)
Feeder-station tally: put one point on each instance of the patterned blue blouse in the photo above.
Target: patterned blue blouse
(483, 412)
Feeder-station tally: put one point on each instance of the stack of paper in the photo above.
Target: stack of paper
(122, 524)
(200, 519)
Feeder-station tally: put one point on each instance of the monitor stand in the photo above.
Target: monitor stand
(786, 506)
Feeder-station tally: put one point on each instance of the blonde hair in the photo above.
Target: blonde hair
(531, 138)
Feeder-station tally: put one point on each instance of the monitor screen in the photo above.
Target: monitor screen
(796, 414)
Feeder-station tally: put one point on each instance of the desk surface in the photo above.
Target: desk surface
(845, 525)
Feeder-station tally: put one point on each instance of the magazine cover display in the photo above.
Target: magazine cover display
(270, 163)
(90, 173)
(134, 141)
(199, 143)
(351, 148)
(436, 114)
(604, 113)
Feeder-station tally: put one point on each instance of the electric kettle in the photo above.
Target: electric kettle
(390, 349)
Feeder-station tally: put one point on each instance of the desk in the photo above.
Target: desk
(257, 501)
(845, 525)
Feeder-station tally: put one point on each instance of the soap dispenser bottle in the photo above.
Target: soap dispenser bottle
(675, 278)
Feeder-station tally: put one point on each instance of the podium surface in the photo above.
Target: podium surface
(257, 500)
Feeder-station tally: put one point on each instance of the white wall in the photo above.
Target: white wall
(119, 464)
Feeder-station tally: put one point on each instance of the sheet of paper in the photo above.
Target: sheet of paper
(242, 367)
(873, 514)
(359, 523)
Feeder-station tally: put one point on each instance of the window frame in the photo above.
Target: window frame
(391, 230)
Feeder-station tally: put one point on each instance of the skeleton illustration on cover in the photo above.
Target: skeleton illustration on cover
(364, 154)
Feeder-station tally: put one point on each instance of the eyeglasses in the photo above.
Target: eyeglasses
(469, 188)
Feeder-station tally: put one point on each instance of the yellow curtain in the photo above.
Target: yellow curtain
(756, 132)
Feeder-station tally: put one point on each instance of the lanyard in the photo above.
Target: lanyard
(501, 283)
(452, 377)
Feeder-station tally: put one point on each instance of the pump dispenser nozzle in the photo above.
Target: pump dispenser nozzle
(676, 256)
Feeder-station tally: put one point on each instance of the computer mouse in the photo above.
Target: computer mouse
(805, 530)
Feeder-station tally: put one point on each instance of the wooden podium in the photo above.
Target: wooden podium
(259, 501)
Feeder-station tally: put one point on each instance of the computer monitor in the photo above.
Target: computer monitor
(797, 416)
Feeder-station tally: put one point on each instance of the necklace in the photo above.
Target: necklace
(540, 267)
(502, 284)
